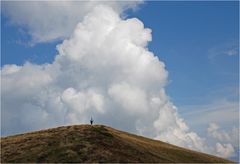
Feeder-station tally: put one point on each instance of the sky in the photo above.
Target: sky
(193, 39)
(169, 70)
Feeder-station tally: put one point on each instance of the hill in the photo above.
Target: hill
(98, 143)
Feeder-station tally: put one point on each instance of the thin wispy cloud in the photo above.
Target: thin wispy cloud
(220, 111)
(230, 48)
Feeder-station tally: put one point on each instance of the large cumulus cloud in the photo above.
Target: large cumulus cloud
(104, 70)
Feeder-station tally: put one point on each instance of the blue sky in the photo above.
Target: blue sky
(184, 34)
(197, 41)
(192, 38)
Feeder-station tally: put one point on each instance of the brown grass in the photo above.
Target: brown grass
(85, 143)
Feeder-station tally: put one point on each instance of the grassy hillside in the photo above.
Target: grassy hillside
(85, 143)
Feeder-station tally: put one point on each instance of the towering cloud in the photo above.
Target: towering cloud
(103, 70)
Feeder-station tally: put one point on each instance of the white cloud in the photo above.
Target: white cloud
(228, 140)
(47, 21)
(83, 101)
(132, 99)
(224, 150)
(230, 48)
(103, 70)
(213, 131)
(218, 112)
(232, 52)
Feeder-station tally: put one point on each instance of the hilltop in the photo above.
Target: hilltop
(98, 143)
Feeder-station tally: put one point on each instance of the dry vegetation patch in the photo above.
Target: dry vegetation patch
(98, 143)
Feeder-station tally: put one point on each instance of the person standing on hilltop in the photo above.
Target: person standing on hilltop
(91, 121)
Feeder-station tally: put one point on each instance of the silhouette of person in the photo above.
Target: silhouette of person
(91, 121)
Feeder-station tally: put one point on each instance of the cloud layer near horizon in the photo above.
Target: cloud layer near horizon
(103, 70)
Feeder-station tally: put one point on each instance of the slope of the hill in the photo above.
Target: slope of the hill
(85, 143)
